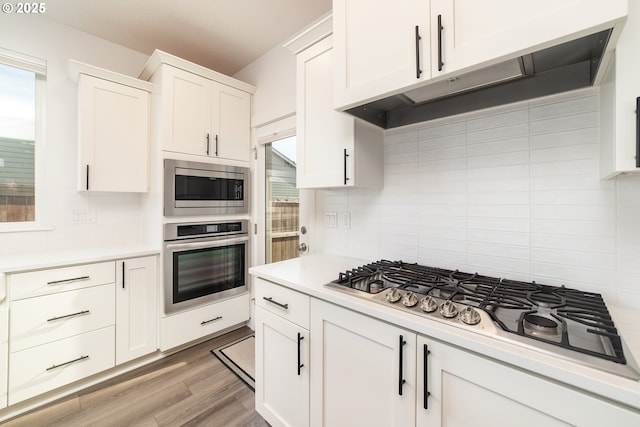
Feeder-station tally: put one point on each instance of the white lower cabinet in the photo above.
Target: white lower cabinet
(363, 370)
(39, 369)
(136, 308)
(467, 389)
(4, 355)
(186, 326)
(282, 370)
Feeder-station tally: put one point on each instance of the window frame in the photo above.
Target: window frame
(39, 68)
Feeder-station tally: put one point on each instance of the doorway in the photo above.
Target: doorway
(282, 201)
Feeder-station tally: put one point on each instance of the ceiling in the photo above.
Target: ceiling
(224, 35)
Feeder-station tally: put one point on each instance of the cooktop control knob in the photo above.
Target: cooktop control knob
(470, 316)
(409, 299)
(393, 295)
(448, 309)
(428, 304)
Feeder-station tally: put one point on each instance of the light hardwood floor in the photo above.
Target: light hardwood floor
(189, 388)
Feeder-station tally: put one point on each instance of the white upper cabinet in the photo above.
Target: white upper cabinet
(380, 48)
(333, 148)
(113, 130)
(199, 112)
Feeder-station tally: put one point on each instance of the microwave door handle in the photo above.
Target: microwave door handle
(208, 244)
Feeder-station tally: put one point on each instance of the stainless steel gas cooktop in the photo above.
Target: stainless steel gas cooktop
(561, 321)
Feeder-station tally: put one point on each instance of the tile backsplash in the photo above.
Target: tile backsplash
(511, 192)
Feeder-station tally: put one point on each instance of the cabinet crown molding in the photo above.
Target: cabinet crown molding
(76, 68)
(317, 31)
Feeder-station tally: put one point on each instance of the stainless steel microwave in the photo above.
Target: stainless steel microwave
(194, 188)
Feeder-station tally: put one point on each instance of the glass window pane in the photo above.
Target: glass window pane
(17, 144)
(282, 210)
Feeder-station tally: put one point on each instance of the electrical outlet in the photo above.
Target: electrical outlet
(345, 220)
(83, 217)
(330, 219)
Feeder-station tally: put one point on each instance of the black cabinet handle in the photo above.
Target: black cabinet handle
(418, 38)
(87, 177)
(401, 380)
(122, 274)
(209, 321)
(300, 365)
(440, 28)
(345, 166)
(216, 145)
(425, 356)
(63, 281)
(67, 316)
(79, 359)
(638, 132)
(207, 144)
(279, 304)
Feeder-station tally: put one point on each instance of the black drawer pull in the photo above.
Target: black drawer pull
(426, 376)
(75, 279)
(300, 365)
(418, 38)
(79, 359)
(279, 304)
(66, 316)
(209, 321)
(440, 28)
(401, 380)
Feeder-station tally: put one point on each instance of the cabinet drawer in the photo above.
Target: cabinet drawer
(43, 368)
(285, 302)
(44, 282)
(37, 321)
(187, 326)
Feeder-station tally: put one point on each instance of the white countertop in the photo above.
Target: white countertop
(52, 259)
(309, 273)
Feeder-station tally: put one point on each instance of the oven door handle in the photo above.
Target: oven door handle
(205, 244)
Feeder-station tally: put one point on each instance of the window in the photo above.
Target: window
(21, 84)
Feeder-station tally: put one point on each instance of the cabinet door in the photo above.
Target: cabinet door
(4, 355)
(476, 32)
(231, 123)
(464, 388)
(282, 370)
(187, 111)
(325, 137)
(360, 372)
(136, 308)
(113, 122)
(376, 47)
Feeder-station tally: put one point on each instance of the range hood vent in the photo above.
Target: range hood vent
(567, 66)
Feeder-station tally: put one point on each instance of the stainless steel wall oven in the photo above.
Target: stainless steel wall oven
(194, 188)
(204, 262)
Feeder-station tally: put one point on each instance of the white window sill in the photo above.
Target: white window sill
(25, 227)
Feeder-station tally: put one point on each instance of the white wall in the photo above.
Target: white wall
(511, 191)
(119, 216)
(274, 75)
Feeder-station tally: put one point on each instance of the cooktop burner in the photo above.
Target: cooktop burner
(528, 312)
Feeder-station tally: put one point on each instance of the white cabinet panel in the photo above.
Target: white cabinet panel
(282, 370)
(36, 321)
(113, 121)
(333, 149)
(136, 308)
(363, 370)
(40, 369)
(284, 302)
(44, 282)
(181, 328)
(4, 355)
(231, 122)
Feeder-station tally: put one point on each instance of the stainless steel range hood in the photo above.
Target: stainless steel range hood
(567, 66)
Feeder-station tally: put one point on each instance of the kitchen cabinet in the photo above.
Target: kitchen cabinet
(465, 387)
(618, 104)
(333, 149)
(282, 354)
(186, 326)
(200, 112)
(408, 44)
(136, 302)
(379, 48)
(61, 327)
(4, 353)
(363, 370)
(113, 131)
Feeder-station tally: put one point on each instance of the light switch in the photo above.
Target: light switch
(330, 219)
(345, 220)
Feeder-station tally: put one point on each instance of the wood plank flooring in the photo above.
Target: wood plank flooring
(189, 388)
